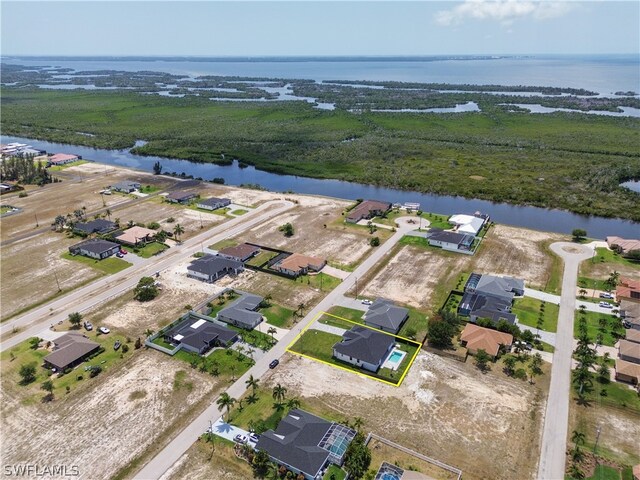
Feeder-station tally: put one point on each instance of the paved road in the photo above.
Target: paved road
(181, 443)
(35, 321)
(554, 434)
(546, 337)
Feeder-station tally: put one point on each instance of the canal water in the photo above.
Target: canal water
(552, 220)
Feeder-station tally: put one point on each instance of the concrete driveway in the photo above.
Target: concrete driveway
(228, 431)
(352, 303)
(554, 435)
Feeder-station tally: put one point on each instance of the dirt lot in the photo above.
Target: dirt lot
(415, 276)
(102, 425)
(21, 287)
(318, 230)
(133, 318)
(71, 194)
(517, 252)
(445, 410)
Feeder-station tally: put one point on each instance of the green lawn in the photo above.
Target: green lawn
(587, 282)
(606, 256)
(228, 362)
(334, 473)
(260, 411)
(223, 244)
(320, 281)
(336, 322)
(261, 258)
(602, 472)
(452, 302)
(149, 250)
(415, 241)
(58, 168)
(4, 209)
(106, 265)
(149, 189)
(417, 322)
(23, 354)
(528, 310)
(278, 315)
(348, 313)
(239, 211)
(610, 332)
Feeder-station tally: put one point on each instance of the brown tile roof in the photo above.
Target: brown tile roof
(239, 251)
(367, 206)
(69, 348)
(629, 349)
(628, 289)
(627, 368)
(625, 244)
(135, 234)
(298, 261)
(632, 335)
(484, 338)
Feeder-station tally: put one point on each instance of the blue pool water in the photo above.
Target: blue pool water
(395, 357)
(390, 476)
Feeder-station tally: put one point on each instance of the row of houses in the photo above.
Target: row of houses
(100, 248)
(628, 361)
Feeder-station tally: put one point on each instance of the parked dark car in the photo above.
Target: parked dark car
(274, 363)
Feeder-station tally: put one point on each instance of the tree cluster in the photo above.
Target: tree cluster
(146, 290)
(24, 170)
(442, 329)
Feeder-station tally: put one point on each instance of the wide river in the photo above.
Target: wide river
(529, 217)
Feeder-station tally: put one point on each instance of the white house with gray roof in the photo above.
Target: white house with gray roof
(242, 312)
(504, 288)
(211, 267)
(364, 348)
(386, 316)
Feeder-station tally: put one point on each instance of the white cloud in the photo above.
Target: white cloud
(503, 11)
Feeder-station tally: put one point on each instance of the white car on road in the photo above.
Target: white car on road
(605, 305)
(367, 302)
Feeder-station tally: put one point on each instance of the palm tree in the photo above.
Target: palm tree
(293, 403)
(253, 383)
(108, 213)
(358, 423)
(279, 393)
(271, 331)
(301, 308)
(250, 352)
(178, 230)
(577, 437)
(240, 350)
(232, 367)
(225, 401)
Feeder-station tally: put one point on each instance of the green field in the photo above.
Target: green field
(583, 158)
(58, 168)
(148, 250)
(610, 332)
(528, 310)
(239, 211)
(106, 265)
(278, 316)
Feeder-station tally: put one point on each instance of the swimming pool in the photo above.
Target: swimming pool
(394, 359)
(389, 472)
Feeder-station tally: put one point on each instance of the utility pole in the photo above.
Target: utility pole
(598, 430)
(57, 282)
(356, 288)
(37, 224)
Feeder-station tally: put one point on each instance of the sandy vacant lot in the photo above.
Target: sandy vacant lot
(413, 275)
(517, 252)
(318, 231)
(444, 409)
(71, 194)
(102, 427)
(30, 267)
(134, 318)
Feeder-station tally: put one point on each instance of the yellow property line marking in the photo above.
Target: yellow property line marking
(362, 374)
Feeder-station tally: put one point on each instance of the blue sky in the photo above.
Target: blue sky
(243, 28)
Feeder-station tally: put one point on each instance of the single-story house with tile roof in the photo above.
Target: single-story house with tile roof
(126, 186)
(632, 335)
(451, 241)
(630, 314)
(622, 244)
(386, 316)
(306, 444)
(211, 267)
(467, 224)
(213, 203)
(136, 235)
(95, 248)
(99, 226)
(629, 351)
(477, 306)
(241, 253)
(62, 159)
(627, 372)
(628, 289)
(181, 197)
(199, 333)
(368, 209)
(298, 264)
(364, 347)
(242, 312)
(504, 288)
(475, 338)
(69, 350)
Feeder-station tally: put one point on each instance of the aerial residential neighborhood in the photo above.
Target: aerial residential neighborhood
(320, 240)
